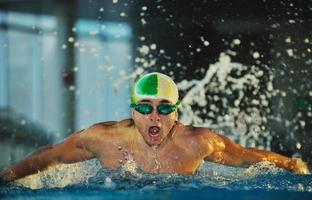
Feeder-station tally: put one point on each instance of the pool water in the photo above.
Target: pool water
(212, 181)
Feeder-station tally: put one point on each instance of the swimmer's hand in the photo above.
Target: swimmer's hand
(298, 166)
(2, 179)
(6, 177)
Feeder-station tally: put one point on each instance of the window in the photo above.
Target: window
(31, 83)
(102, 57)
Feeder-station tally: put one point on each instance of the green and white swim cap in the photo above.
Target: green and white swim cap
(155, 86)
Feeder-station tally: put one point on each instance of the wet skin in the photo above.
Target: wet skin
(174, 149)
(179, 151)
(170, 148)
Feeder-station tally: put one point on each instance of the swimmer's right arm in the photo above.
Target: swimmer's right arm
(235, 155)
(70, 151)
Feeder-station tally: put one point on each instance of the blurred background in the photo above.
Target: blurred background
(244, 68)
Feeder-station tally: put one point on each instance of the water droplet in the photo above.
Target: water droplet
(302, 123)
(71, 39)
(143, 21)
(144, 50)
(153, 46)
(206, 43)
(108, 183)
(298, 145)
(256, 55)
(236, 41)
(23, 122)
(72, 88)
(288, 40)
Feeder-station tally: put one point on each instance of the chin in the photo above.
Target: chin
(154, 142)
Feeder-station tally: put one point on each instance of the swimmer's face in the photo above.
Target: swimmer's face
(154, 127)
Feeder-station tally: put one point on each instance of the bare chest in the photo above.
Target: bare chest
(173, 160)
(170, 159)
(113, 154)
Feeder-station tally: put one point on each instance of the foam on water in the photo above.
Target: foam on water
(262, 175)
(61, 175)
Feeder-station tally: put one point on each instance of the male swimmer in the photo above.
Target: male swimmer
(153, 138)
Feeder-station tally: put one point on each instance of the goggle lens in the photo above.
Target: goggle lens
(163, 109)
(144, 108)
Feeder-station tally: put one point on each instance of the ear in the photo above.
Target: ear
(132, 112)
(176, 115)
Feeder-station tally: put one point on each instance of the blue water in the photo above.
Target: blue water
(212, 181)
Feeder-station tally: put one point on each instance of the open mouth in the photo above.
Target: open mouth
(154, 131)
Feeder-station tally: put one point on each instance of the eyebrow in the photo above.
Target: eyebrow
(145, 100)
(165, 101)
(149, 101)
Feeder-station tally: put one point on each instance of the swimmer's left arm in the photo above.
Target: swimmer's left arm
(235, 155)
(70, 150)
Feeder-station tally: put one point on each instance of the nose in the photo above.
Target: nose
(154, 116)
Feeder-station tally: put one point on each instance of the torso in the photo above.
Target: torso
(116, 143)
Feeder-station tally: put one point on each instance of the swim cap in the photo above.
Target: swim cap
(155, 86)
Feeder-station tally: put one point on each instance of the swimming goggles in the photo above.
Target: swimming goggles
(162, 109)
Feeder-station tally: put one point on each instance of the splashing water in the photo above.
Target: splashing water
(128, 177)
(221, 100)
(224, 89)
(224, 86)
(61, 175)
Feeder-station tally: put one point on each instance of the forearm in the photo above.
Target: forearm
(30, 165)
(294, 165)
(235, 155)
(67, 152)
(279, 160)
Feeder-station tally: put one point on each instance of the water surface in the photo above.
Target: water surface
(260, 181)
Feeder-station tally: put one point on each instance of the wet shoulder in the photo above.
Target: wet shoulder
(114, 124)
(205, 136)
(108, 129)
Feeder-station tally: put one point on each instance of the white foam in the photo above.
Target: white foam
(61, 175)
